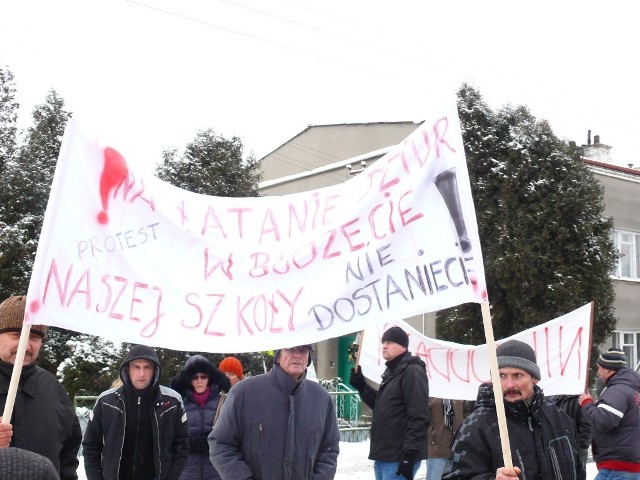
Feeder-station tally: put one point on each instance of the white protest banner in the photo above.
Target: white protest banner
(456, 371)
(132, 258)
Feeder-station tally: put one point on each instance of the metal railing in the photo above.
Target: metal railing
(353, 426)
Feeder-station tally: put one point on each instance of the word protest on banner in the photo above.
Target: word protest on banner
(455, 371)
(131, 258)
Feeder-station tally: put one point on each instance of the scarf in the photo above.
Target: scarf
(201, 398)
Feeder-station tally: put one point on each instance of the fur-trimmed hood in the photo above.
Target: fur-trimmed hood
(199, 364)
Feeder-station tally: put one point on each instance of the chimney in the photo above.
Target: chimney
(598, 151)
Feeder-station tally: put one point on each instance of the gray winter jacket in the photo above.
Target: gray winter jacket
(273, 427)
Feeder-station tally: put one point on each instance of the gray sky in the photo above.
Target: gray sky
(148, 75)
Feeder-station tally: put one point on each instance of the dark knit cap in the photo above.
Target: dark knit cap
(396, 335)
(517, 354)
(16, 463)
(612, 359)
(12, 315)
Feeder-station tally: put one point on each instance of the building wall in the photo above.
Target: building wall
(622, 203)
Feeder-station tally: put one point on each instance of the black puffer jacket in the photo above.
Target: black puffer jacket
(104, 437)
(615, 419)
(43, 418)
(542, 439)
(401, 417)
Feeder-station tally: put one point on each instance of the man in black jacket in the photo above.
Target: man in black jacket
(541, 436)
(137, 431)
(43, 419)
(401, 417)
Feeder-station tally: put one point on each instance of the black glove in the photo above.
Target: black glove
(219, 378)
(356, 379)
(198, 444)
(405, 466)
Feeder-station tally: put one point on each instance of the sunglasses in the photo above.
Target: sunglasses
(200, 377)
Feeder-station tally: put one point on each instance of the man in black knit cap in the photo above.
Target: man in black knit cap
(137, 431)
(615, 418)
(401, 417)
(542, 437)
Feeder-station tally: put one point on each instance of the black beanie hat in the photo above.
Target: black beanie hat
(612, 359)
(517, 354)
(396, 335)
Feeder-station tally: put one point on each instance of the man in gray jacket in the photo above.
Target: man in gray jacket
(277, 425)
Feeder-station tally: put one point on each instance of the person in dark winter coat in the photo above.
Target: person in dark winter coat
(569, 404)
(19, 464)
(277, 425)
(137, 431)
(615, 418)
(200, 384)
(401, 417)
(541, 436)
(43, 419)
(446, 418)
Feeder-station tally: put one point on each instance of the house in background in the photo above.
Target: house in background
(622, 203)
(325, 155)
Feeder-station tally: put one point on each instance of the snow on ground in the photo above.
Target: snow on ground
(354, 465)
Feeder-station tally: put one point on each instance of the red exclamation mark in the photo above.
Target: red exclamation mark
(114, 173)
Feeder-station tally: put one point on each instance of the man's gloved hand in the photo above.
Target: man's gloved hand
(405, 466)
(356, 379)
(219, 378)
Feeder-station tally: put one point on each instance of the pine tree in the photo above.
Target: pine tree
(212, 165)
(8, 122)
(545, 240)
(29, 177)
(8, 142)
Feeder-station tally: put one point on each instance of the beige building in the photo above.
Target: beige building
(622, 202)
(325, 155)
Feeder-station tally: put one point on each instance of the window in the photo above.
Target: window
(628, 341)
(628, 244)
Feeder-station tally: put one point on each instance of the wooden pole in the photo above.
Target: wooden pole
(497, 388)
(359, 339)
(588, 367)
(15, 375)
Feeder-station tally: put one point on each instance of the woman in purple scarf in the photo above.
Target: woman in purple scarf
(200, 384)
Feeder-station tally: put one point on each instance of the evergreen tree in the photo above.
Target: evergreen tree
(29, 176)
(91, 365)
(8, 121)
(29, 179)
(545, 240)
(211, 165)
(8, 141)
